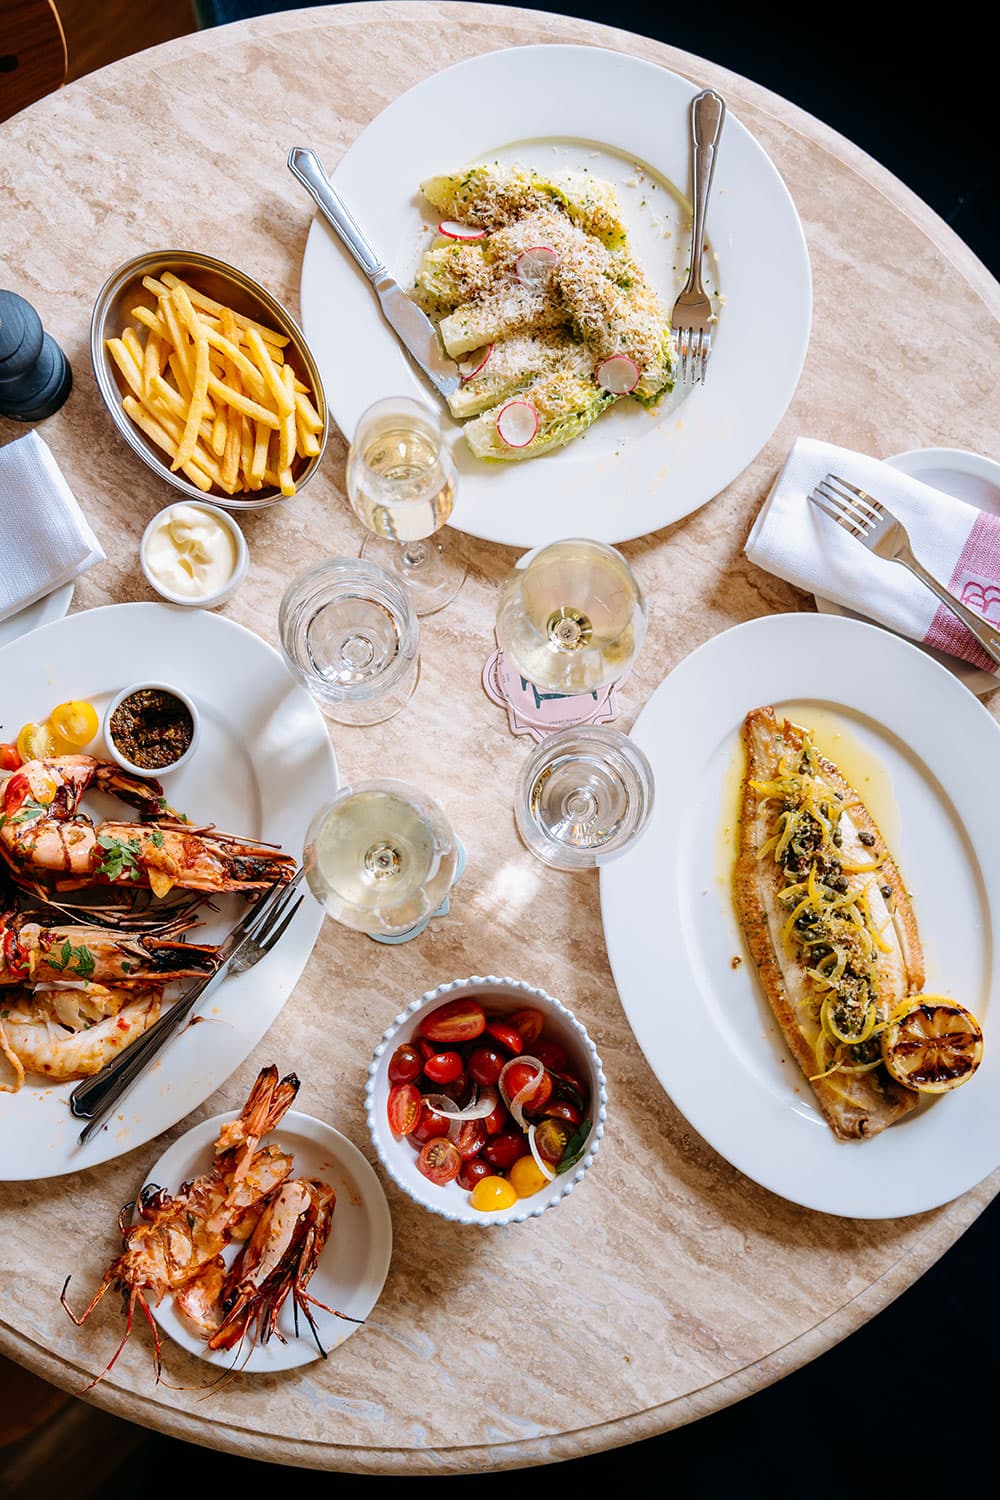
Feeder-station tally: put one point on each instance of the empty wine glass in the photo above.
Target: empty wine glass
(401, 485)
(571, 616)
(381, 857)
(351, 636)
(584, 795)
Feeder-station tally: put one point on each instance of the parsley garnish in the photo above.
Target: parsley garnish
(120, 859)
(157, 838)
(79, 959)
(29, 810)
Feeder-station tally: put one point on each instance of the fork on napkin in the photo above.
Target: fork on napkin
(956, 542)
(47, 539)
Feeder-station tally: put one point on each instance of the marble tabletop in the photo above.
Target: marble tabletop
(667, 1285)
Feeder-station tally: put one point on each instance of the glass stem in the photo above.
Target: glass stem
(414, 554)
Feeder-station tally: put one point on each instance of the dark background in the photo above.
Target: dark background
(908, 1403)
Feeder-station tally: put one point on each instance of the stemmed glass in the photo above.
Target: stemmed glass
(401, 485)
(571, 616)
(381, 857)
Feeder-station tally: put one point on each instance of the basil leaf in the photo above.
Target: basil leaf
(576, 1147)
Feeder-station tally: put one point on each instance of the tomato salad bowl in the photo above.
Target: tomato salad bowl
(486, 1101)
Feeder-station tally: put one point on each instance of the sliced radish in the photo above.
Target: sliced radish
(619, 374)
(517, 423)
(453, 231)
(534, 265)
(480, 1107)
(474, 362)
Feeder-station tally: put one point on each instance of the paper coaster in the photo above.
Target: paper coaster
(441, 911)
(532, 711)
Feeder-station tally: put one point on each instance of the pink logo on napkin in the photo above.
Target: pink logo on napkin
(530, 710)
(976, 581)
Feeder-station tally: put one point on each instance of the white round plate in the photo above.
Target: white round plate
(52, 607)
(625, 121)
(263, 766)
(354, 1263)
(967, 476)
(704, 1025)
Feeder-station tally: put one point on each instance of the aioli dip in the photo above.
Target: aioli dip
(190, 552)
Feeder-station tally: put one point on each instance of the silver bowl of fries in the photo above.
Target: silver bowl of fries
(208, 379)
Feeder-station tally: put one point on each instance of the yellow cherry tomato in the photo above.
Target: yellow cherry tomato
(491, 1194)
(76, 722)
(526, 1177)
(36, 742)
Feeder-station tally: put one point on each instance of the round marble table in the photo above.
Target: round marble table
(667, 1285)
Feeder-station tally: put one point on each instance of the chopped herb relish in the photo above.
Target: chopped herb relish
(151, 728)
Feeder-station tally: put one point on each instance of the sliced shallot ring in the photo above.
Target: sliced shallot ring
(540, 1161)
(484, 1105)
(474, 362)
(517, 424)
(514, 1104)
(452, 230)
(619, 374)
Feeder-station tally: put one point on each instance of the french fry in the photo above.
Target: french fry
(243, 404)
(218, 439)
(179, 374)
(152, 360)
(148, 319)
(166, 401)
(168, 316)
(273, 377)
(306, 442)
(259, 461)
(123, 359)
(200, 300)
(162, 438)
(130, 338)
(196, 410)
(286, 431)
(158, 288)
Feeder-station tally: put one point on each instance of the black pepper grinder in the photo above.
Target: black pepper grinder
(35, 376)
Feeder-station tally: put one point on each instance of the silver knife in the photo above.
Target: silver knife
(412, 327)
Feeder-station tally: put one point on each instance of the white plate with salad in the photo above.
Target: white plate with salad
(623, 121)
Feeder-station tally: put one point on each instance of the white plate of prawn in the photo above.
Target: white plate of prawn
(263, 766)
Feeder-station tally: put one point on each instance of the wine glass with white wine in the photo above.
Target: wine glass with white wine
(381, 857)
(571, 616)
(401, 485)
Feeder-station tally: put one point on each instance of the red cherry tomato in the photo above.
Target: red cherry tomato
(405, 1064)
(439, 1161)
(444, 1067)
(460, 1090)
(504, 1149)
(458, 1021)
(561, 1109)
(10, 758)
(551, 1139)
(518, 1077)
(496, 1119)
(403, 1108)
(473, 1171)
(485, 1064)
(551, 1054)
(427, 1049)
(568, 1086)
(471, 1139)
(508, 1036)
(429, 1126)
(529, 1023)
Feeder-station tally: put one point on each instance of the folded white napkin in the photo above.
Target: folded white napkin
(956, 542)
(46, 538)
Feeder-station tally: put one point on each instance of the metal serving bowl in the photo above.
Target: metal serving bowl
(224, 283)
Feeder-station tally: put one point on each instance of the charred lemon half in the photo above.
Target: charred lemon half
(936, 1046)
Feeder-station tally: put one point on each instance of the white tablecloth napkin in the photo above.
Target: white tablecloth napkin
(46, 538)
(956, 542)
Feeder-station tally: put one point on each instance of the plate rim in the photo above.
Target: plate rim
(503, 527)
(747, 1160)
(375, 1204)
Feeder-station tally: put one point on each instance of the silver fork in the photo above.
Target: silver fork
(692, 315)
(260, 930)
(873, 524)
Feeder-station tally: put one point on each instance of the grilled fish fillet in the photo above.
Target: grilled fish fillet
(864, 915)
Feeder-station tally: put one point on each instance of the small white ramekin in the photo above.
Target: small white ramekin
(240, 567)
(151, 773)
(399, 1157)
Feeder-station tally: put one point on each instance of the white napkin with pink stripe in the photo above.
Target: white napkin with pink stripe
(47, 540)
(956, 542)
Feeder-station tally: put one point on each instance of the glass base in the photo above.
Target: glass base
(432, 570)
(442, 910)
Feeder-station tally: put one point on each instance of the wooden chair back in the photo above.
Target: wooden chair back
(32, 53)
